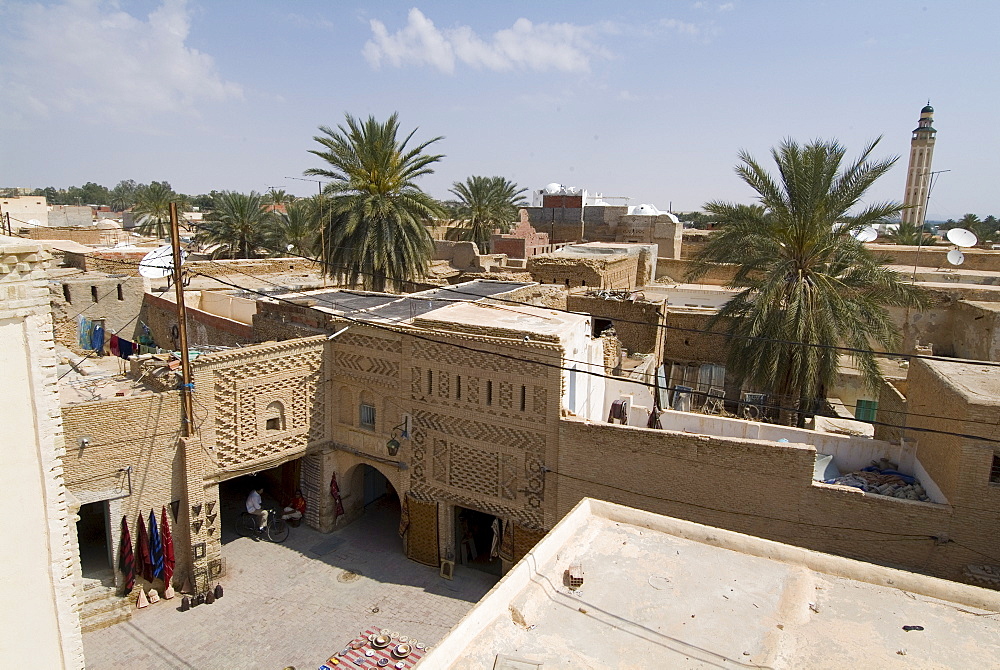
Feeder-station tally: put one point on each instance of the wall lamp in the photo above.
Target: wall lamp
(393, 445)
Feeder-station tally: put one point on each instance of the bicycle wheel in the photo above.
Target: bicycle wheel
(277, 530)
(246, 524)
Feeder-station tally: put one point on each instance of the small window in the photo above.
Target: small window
(121, 294)
(458, 387)
(367, 416)
(489, 392)
(524, 397)
(66, 293)
(93, 293)
(995, 470)
(274, 416)
(430, 382)
(866, 410)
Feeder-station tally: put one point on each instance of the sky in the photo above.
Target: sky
(649, 100)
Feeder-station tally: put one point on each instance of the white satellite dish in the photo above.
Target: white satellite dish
(159, 262)
(866, 234)
(962, 238)
(956, 257)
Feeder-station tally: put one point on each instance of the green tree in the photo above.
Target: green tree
(484, 205)
(123, 195)
(297, 228)
(278, 197)
(805, 284)
(909, 234)
(985, 230)
(375, 233)
(240, 225)
(152, 208)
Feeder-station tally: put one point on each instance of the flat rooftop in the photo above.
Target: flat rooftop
(978, 382)
(661, 592)
(382, 307)
(518, 319)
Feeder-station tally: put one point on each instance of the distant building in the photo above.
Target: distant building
(569, 214)
(25, 211)
(523, 241)
(918, 175)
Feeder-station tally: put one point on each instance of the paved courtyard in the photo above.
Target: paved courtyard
(295, 604)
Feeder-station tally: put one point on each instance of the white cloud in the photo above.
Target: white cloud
(90, 58)
(727, 7)
(682, 27)
(563, 47)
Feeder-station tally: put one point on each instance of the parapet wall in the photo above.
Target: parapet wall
(760, 488)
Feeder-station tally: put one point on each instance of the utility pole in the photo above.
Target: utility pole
(187, 421)
(322, 223)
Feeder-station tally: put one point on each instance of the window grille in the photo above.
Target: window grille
(367, 417)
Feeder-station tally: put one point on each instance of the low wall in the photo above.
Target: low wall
(760, 488)
(160, 315)
(636, 322)
(935, 256)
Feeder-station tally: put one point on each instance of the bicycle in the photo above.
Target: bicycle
(275, 529)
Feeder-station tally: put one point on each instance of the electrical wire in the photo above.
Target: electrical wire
(889, 354)
(409, 328)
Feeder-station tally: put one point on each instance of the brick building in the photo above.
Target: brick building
(469, 411)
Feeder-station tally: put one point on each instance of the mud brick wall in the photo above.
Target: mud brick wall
(160, 315)
(753, 487)
(117, 312)
(636, 322)
(682, 344)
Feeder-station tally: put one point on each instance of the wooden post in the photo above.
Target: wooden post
(186, 386)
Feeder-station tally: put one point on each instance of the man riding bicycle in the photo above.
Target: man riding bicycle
(255, 507)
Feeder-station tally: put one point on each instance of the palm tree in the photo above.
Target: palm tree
(278, 197)
(910, 234)
(297, 228)
(152, 208)
(123, 195)
(985, 229)
(374, 232)
(239, 224)
(485, 204)
(805, 284)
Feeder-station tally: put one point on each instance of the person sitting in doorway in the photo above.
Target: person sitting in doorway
(255, 507)
(295, 509)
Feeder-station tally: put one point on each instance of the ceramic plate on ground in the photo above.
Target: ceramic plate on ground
(401, 650)
(419, 645)
(382, 662)
(394, 635)
(381, 641)
(400, 665)
(371, 637)
(370, 652)
(403, 639)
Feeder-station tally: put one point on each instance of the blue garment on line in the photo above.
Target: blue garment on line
(97, 338)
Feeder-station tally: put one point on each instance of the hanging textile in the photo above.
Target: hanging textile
(495, 544)
(144, 567)
(338, 505)
(125, 348)
(404, 515)
(126, 562)
(113, 346)
(506, 550)
(84, 334)
(618, 411)
(155, 547)
(168, 548)
(97, 338)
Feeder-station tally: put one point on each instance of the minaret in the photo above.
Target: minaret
(918, 176)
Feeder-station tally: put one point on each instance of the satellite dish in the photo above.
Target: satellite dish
(159, 263)
(962, 237)
(956, 257)
(866, 234)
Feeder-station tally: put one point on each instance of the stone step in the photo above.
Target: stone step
(103, 613)
(105, 619)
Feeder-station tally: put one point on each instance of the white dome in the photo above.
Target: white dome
(553, 188)
(645, 210)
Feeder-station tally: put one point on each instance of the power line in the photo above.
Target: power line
(409, 328)
(667, 326)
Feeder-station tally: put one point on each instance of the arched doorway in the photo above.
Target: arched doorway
(375, 502)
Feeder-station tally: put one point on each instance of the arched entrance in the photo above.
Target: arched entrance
(372, 498)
